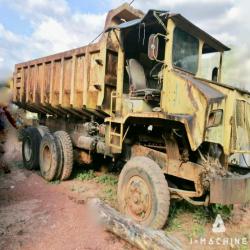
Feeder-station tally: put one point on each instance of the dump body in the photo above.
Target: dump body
(69, 79)
(77, 79)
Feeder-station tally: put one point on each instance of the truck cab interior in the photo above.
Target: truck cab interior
(142, 74)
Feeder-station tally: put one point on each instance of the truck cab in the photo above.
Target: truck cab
(169, 87)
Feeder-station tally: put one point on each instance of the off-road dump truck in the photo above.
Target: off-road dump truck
(139, 97)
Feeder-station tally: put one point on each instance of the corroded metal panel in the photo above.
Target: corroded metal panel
(241, 127)
(230, 190)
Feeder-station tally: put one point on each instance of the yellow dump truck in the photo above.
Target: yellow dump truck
(143, 97)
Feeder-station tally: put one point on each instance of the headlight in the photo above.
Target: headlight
(215, 118)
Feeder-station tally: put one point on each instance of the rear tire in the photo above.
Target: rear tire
(143, 192)
(49, 157)
(43, 130)
(30, 147)
(67, 154)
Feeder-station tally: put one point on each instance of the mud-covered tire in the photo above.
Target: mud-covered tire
(64, 140)
(31, 140)
(143, 192)
(43, 130)
(49, 157)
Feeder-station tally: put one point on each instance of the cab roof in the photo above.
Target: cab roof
(211, 44)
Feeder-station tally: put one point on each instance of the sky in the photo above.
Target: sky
(35, 28)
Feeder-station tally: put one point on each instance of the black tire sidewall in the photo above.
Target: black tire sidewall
(60, 158)
(32, 135)
(66, 150)
(50, 142)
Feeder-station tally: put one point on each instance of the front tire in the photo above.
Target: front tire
(143, 192)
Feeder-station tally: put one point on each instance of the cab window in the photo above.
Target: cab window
(185, 51)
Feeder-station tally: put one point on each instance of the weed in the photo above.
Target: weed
(223, 210)
(174, 224)
(176, 208)
(109, 182)
(86, 175)
(180, 207)
(243, 247)
(200, 215)
(107, 179)
(200, 218)
(197, 231)
(109, 194)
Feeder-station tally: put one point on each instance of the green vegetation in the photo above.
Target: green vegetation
(86, 175)
(197, 231)
(243, 247)
(110, 194)
(200, 215)
(174, 224)
(107, 179)
(224, 211)
(178, 208)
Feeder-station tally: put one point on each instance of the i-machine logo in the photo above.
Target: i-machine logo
(218, 226)
(218, 229)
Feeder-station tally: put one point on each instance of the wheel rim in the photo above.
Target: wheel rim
(27, 150)
(138, 199)
(47, 158)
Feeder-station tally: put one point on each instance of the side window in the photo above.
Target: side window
(185, 51)
(209, 65)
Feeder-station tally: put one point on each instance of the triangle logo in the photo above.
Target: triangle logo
(218, 226)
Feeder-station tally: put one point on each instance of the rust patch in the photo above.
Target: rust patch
(85, 157)
(230, 190)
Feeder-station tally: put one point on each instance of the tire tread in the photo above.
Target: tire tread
(151, 168)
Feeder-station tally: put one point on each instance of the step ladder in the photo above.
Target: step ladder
(116, 127)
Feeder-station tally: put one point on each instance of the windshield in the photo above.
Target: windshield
(185, 51)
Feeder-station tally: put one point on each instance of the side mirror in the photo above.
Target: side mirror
(153, 47)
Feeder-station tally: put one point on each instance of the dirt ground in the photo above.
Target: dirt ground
(35, 214)
(38, 215)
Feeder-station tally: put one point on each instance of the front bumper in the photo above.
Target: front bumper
(230, 190)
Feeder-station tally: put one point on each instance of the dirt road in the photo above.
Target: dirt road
(37, 215)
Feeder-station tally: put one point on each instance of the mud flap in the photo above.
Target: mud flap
(230, 190)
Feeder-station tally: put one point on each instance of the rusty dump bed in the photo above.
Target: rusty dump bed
(75, 81)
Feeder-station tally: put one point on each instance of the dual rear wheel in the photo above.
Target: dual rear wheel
(52, 152)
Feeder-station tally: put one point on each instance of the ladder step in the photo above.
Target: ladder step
(115, 146)
(115, 134)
